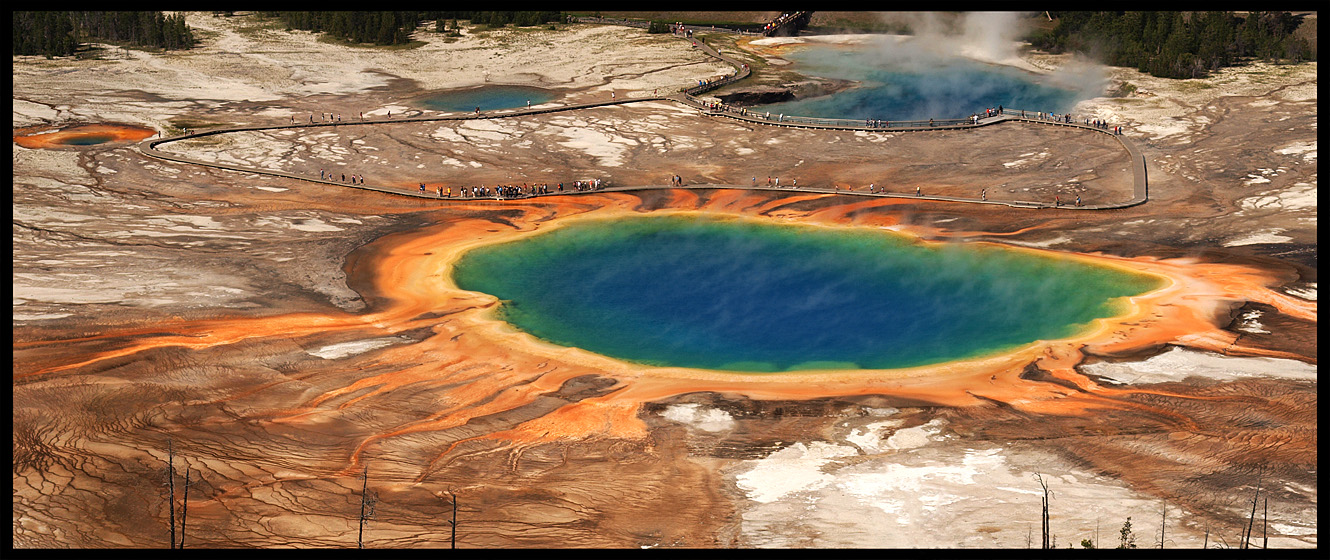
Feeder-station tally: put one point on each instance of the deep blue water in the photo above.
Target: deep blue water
(901, 82)
(745, 296)
(488, 98)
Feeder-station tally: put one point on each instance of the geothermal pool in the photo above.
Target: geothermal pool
(89, 140)
(487, 98)
(79, 135)
(906, 81)
(742, 295)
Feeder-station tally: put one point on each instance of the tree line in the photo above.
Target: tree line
(53, 33)
(1176, 44)
(394, 28)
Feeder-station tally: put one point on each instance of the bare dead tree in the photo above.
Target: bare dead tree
(184, 511)
(1044, 515)
(1163, 517)
(452, 541)
(1251, 520)
(367, 501)
(170, 483)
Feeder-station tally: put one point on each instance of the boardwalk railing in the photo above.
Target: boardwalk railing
(785, 20)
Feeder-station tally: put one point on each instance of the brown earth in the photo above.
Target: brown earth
(281, 336)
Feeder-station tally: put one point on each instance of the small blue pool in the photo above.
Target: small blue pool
(487, 98)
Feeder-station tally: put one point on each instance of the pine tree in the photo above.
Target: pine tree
(1127, 538)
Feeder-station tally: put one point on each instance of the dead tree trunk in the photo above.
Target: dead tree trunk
(170, 483)
(184, 511)
(1251, 520)
(452, 540)
(366, 507)
(1265, 523)
(1163, 517)
(1044, 514)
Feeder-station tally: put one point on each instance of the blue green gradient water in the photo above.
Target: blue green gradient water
(88, 140)
(487, 98)
(902, 81)
(739, 295)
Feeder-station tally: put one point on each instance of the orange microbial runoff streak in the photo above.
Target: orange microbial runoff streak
(474, 365)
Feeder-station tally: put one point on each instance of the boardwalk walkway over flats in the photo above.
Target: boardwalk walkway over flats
(688, 96)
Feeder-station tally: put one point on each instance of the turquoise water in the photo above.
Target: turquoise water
(904, 82)
(88, 140)
(737, 295)
(488, 98)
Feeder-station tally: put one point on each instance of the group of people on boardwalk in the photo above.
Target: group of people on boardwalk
(325, 117)
(780, 20)
(330, 176)
(1102, 125)
(517, 191)
(1098, 123)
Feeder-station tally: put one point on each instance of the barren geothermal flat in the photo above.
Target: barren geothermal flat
(288, 342)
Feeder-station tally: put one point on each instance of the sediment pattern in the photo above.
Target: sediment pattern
(550, 446)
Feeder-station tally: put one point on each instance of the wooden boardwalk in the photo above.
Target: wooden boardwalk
(1140, 184)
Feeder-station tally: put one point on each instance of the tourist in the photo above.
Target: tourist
(917, 191)
(1078, 200)
(983, 194)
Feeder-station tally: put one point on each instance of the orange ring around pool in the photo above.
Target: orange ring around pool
(87, 134)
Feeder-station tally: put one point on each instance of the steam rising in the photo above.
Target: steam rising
(952, 66)
(991, 37)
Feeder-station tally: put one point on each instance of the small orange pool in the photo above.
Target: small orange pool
(79, 135)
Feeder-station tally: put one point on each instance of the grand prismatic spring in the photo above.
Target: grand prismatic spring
(713, 294)
(896, 353)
